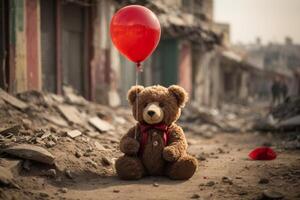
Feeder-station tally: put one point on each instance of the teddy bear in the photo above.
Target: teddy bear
(156, 145)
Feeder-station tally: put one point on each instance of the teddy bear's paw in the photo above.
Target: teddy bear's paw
(183, 169)
(170, 154)
(129, 168)
(130, 146)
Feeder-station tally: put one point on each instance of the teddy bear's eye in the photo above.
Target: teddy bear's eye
(145, 105)
(161, 105)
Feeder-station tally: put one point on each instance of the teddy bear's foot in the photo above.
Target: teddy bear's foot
(129, 168)
(183, 169)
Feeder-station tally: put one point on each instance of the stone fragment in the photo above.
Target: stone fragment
(271, 194)
(63, 190)
(99, 146)
(71, 114)
(56, 120)
(50, 144)
(31, 152)
(105, 161)
(78, 154)
(68, 174)
(226, 179)
(155, 184)
(51, 173)
(10, 130)
(73, 133)
(100, 124)
(12, 100)
(210, 183)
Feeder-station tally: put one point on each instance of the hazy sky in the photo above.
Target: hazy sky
(271, 20)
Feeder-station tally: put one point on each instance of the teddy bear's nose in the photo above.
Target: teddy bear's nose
(150, 113)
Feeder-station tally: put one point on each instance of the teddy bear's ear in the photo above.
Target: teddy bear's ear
(180, 94)
(132, 93)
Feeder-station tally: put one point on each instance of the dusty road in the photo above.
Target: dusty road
(224, 173)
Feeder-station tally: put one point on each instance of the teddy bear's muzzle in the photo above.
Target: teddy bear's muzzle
(153, 114)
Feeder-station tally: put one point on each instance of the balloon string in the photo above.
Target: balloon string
(138, 69)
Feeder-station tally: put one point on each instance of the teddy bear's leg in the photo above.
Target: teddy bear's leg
(183, 169)
(129, 168)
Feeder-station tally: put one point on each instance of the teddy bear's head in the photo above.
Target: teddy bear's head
(157, 104)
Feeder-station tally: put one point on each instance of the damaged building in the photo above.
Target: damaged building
(48, 44)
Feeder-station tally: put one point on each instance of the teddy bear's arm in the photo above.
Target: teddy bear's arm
(128, 144)
(177, 144)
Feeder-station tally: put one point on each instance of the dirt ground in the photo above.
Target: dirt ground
(224, 173)
(84, 165)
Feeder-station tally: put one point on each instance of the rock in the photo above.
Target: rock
(71, 114)
(195, 196)
(78, 154)
(56, 120)
(210, 183)
(99, 146)
(270, 194)
(27, 165)
(50, 144)
(51, 173)
(68, 174)
(116, 191)
(12, 100)
(63, 190)
(226, 179)
(155, 184)
(263, 181)
(290, 122)
(44, 195)
(73, 133)
(105, 161)
(10, 130)
(100, 124)
(31, 152)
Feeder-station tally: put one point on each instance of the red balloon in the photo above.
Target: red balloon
(262, 153)
(135, 31)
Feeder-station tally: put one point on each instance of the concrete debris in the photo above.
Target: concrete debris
(56, 120)
(284, 117)
(71, 114)
(72, 97)
(207, 122)
(31, 152)
(10, 130)
(12, 100)
(100, 124)
(73, 133)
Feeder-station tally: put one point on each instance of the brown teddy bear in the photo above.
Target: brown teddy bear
(156, 145)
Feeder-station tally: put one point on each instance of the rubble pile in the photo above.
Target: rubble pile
(206, 121)
(284, 117)
(60, 137)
